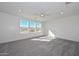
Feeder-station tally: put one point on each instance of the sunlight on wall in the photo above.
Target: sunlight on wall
(50, 34)
(47, 38)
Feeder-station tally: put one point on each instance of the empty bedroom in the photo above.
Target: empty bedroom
(39, 28)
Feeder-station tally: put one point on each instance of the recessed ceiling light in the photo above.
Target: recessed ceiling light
(42, 15)
(61, 12)
(20, 10)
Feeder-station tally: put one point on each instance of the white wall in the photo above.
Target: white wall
(9, 29)
(67, 28)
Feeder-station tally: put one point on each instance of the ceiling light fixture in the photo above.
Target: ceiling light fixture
(61, 12)
(19, 10)
(41, 15)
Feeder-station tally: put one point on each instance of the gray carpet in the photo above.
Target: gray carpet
(56, 47)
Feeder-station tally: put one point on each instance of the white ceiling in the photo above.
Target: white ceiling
(33, 10)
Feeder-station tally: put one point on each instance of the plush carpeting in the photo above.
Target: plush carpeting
(56, 47)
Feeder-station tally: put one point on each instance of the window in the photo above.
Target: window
(24, 26)
(38, 26)
(32, 26)
(29, 26)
